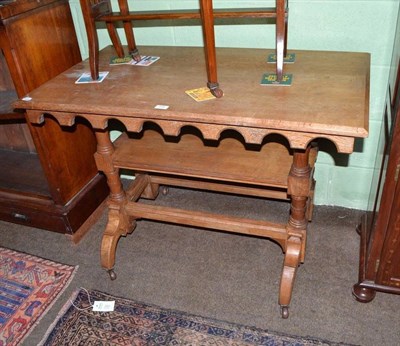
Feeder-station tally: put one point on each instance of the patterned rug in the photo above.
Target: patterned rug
(29, 285)
(133, 323)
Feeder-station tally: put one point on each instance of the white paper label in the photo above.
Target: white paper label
(100, 305)
(161, 107)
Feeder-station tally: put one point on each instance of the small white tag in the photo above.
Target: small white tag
(27, 98)
(161, 107)
(100, 305)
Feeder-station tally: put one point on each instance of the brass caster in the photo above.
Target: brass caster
(165, 190)
(112, 274)
(217, 92)
(285, 312)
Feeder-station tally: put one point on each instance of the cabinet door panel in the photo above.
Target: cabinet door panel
(14, 134)
(389, 268)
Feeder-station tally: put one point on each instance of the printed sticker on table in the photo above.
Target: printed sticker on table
(290, 58)
(272, 79)
(126, 60)
(87, 78)
(200, 94)
(146, 60)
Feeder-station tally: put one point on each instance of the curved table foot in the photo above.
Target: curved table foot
(119, 224)
(363, 294)
(290, 265)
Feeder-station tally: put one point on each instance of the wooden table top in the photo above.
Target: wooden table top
(329, 94)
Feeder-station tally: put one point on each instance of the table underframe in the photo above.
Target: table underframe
(125, 208)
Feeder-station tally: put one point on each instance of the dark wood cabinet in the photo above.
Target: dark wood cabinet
(380, 226)
(48, 177)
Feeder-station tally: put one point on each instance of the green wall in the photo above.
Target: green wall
(341, 25)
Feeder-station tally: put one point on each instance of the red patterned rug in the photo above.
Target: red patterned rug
(29, 285)
(138, 324)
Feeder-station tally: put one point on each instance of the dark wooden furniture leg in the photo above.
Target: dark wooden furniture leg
(299, 187)
(207, 19)
(362, 293)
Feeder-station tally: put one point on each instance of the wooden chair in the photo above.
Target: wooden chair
(100, 11)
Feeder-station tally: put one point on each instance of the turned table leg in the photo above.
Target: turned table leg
(119, 223)
(299, 185)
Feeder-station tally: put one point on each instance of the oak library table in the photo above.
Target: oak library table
(257, 140)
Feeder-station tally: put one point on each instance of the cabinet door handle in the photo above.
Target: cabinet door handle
(20, 217)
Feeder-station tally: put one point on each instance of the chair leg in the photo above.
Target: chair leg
(93, 40)
(280, 37)
(128, 28)
(286, 31)
(112, 32)
(207, 19)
